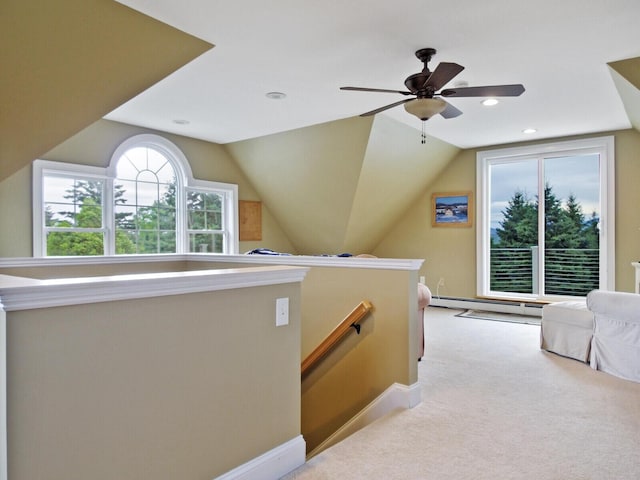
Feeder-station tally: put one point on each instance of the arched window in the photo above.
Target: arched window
(145, 202)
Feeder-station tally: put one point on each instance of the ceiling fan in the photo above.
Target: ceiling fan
(424, 86)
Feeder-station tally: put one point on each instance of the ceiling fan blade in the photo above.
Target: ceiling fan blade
(450, 111)
(443, 73)
(488, 91)
(386, 107)
(364, 89)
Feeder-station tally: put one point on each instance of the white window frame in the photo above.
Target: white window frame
(603, 146)
(42, 168)
(185, 182)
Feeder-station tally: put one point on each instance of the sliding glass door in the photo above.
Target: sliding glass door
(544, 220)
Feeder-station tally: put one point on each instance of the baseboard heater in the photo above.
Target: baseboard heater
(502, 306)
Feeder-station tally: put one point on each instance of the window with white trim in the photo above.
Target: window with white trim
(145, 202)
(546, 219)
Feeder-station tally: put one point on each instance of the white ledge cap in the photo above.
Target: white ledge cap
(19, 293)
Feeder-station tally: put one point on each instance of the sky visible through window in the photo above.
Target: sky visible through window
(577, 175)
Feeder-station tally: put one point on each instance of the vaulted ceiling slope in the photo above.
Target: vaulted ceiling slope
(626, 76)
(340, 186)
(67, 63)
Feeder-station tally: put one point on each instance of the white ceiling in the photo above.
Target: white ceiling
(559, 50)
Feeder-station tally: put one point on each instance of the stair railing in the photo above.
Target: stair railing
(350, 321)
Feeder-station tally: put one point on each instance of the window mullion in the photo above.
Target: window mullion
(108, 218)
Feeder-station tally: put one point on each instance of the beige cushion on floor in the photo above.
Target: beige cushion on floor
(567, 329)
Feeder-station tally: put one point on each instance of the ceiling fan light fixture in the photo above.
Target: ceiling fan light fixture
(425, 108)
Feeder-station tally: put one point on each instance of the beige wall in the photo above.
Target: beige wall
(94, 146)
(450, 253)
(363, 366)
(357, 370)
(339, 186)
(184, 386)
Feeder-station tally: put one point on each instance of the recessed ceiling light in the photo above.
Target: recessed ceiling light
(489, 102)
(181, 121)
(276, 95)
(529, 131)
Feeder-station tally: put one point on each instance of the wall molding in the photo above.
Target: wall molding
(18, 293)
(275, 463)
(296, 260)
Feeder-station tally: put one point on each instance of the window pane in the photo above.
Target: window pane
(147, 218)
(75, 243)
(206, 243)
(572, 192)
(125, 217)
(213, 201)
(167, 218)
(166, 174)
(147, 241)
(167, 193)
(126, 169)
(55, 189)
(72, 202)
(90, 215)
(124, 192)
(167, 242)
(204, 211)
(196, 220)
(214, 221)
(155, 160)
(194, 200)
(514, 226)
(126, 242)
(147, 176)
(147, 193)
(59, 215)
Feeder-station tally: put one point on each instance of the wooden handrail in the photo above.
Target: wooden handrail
(327, 344)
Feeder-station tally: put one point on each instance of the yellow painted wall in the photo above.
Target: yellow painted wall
(94, 146)
(450, 253)
(363, 366)
(136, 389)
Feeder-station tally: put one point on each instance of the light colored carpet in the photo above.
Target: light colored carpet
(495, 407)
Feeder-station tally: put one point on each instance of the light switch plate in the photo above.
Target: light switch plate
(282, 311)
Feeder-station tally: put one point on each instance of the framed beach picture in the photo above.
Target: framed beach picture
(452, 209)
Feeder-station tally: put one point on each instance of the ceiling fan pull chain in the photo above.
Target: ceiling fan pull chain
(424, 135)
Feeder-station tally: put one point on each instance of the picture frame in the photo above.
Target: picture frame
(452, 209)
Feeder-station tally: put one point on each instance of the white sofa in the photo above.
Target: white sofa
(615, 346)
(567, 329)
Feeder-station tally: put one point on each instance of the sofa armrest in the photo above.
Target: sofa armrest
(623, 306)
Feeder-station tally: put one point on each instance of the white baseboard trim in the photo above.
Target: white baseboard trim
(502, 306)
(271, 465)
(397, 396)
